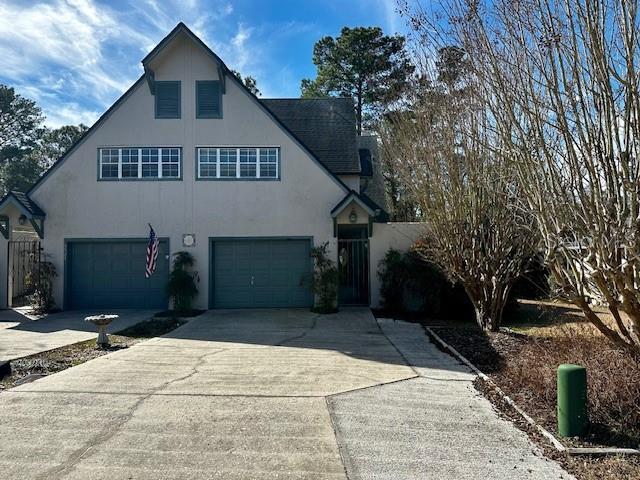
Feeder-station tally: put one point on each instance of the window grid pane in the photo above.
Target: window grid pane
(150, 162)
(145, 162)
(238, 162)
(228, 162)
(170, 162)
(129, 163)
(207, 158)
(109, 162)
(268, 162)
(248, 162)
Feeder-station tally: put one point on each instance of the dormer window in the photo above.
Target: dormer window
(167, 95)
(208, 99)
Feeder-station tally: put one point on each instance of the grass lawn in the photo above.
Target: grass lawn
(53, 361)
(522, 359)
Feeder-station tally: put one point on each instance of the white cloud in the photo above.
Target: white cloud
(72, 114)
(76, 57)
(59, 47)
(391, 16)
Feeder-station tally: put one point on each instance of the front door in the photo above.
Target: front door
(353, 270)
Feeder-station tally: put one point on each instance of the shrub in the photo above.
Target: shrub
(182, 285)
(411, 284)
(40, 283)
(324, 282)
(393, 277)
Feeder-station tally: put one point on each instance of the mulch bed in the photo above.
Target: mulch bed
(174, 314)
(53, 361)
(524, 366)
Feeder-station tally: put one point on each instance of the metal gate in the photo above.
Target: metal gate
(353, 269)
(24, 256)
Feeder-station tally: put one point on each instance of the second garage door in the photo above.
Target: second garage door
(273, 273)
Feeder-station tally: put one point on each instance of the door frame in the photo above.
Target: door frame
(66, 301)
(212, 267)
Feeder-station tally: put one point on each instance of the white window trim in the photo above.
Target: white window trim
(139, 163)
(237, 176)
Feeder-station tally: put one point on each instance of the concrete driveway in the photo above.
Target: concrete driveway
(21, 336)
(264, 394)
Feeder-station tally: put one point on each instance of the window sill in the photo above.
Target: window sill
(176, 179)
(235, 179)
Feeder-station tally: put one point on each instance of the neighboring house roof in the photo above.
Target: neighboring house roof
(24, 203)
(181, 27)
(327, 126)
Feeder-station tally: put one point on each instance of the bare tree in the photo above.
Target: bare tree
(464, 191)
(560, 79)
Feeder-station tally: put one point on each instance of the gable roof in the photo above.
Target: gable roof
(375, 211)
(327, 126)
(225, 71)
(24, 203)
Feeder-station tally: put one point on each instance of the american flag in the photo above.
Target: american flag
(152, 253)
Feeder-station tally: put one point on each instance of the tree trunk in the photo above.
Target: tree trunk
(487, 320)
(359, 109)
(488, 303)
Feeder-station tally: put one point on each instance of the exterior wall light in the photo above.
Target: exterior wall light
(22, 220)
(353, 216)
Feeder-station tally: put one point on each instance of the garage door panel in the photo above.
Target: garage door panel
(261, 273)
(110, 274)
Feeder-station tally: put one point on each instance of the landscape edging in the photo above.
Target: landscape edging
(548, 435)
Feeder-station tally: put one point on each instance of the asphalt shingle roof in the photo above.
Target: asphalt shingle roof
(326, 126)
(31, 206)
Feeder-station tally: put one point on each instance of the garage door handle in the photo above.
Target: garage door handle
(252, 279)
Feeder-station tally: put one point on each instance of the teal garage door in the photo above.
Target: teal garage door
(110, 274)
(272, 273)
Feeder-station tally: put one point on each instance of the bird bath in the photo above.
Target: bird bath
(101, 321)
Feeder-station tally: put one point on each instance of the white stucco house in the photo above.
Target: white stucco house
(247, 185)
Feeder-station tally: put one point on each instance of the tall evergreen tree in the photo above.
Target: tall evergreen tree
(361, 63)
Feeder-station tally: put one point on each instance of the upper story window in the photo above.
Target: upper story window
(227, 163)
(167, 95)
(208, 99)
(159, 163)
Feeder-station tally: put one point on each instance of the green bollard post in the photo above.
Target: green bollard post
(572, 400)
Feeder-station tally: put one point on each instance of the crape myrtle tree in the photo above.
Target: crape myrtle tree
(464, 188)
(561, 81)
(362, 63)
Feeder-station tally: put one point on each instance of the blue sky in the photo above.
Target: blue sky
(76, 57)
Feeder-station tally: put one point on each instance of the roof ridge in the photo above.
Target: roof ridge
(308, 98)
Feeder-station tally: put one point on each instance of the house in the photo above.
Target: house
(247, 185)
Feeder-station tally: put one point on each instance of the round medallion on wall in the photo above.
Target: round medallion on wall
(188, 240)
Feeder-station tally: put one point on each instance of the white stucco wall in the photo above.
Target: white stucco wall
(79, 206)
(399, 236)
(3, 271)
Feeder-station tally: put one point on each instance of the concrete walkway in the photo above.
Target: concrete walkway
(264, 394)
(21, 336)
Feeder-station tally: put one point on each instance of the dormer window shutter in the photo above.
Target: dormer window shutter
(167, 99)
(208, 99)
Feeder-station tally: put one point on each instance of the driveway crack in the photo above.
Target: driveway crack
(114, 427)
(314, 323)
